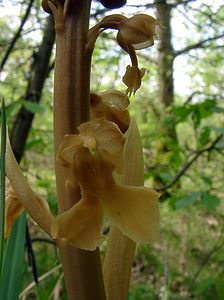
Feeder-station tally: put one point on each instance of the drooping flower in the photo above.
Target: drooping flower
(113, 106)
(133, 78)
(92, 156)
(134, 33)
(138, 31)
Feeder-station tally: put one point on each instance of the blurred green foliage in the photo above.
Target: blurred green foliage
(188, 262)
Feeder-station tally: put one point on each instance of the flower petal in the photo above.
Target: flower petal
(81, 225)
(132, 78)
(139, 31)
(35, 206)
(113, 106)
(68, 148)
(107, 134)
(115, 98)
(135, 211)
(13, 208)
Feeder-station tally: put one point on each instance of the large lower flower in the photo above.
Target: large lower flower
(134, 210)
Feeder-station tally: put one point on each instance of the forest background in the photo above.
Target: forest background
(179, 110)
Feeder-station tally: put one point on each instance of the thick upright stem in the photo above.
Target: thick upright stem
(82, 269)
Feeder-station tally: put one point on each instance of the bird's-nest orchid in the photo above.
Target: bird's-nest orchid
(93, 157)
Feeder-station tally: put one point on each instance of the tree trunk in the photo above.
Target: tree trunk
(38, 74)
(166, 54)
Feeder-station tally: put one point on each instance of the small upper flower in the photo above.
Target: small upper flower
(138, 31)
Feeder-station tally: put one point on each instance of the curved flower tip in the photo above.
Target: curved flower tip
(113, 106)
(135, 211)
(13, 208)
(81, 226)
(133, 79)
(138, 31)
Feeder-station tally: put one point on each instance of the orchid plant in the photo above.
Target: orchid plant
(98, 158)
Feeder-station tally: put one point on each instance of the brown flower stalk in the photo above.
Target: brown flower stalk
(82, 269)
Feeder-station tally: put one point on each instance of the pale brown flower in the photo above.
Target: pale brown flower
(133, 78)
(113, 106)
(138, 31)
(134, 33)
(92, 155)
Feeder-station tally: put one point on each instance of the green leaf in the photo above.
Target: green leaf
(205, 135)
(165, 177)
(33, 107)
(219, 286)
(188, 200)
(210, 201)
(207, 180)
(10, 283)
(204, 285)
(2, 180)
(12, 108)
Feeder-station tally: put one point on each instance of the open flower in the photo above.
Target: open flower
(113, 106)
(93, 159)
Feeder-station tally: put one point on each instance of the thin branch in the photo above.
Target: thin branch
(187, 165)
(184, 2)
(41, 278)
(43, 240)
(200, 44)
(218, 245)
(16, 36)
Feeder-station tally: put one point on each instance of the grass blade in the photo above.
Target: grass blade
(10, 283)
(2, 180)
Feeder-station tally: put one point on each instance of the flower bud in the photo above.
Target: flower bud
(132, 78)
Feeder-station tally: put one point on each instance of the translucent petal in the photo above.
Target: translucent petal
(106, 133)
(133, 156)
(115, 98)
(135, 211)
(81, 225)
